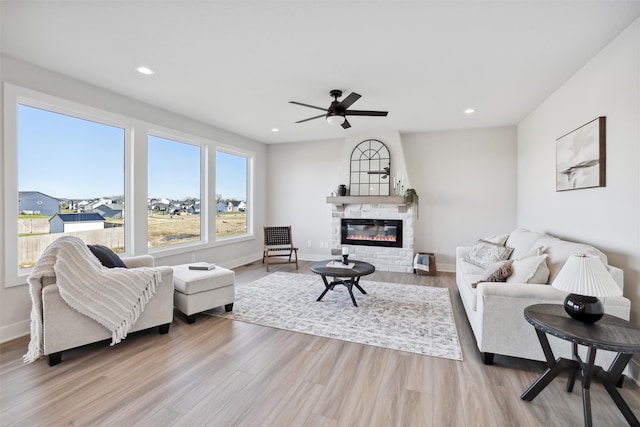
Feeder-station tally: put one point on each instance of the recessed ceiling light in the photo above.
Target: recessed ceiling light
(275, 130)
(145, 70)
(469, 111)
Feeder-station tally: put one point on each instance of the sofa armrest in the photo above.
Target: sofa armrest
(531, 294)
(462, 251)
(138, 261)
(502, 328)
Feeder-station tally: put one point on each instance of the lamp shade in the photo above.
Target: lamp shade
(586, 275)
(335, 119)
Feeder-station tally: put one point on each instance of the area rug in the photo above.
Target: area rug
(416, 319)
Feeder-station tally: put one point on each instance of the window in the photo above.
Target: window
(174, 192)
(71, 174)
(231, 194)
(111, 180)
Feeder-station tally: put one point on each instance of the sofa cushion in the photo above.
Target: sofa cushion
(498, 239)
(560, 250)
(521, 240)
(532, 269)
(496, 272)
(484, 253)
(468, 268)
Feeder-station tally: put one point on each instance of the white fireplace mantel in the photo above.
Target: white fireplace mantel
(341, 201)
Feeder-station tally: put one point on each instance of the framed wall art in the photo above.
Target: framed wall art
(581, 157)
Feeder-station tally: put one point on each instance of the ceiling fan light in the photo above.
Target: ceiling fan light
(335, 120)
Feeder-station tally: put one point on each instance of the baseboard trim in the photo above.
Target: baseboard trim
(446, 268)
(15, 330)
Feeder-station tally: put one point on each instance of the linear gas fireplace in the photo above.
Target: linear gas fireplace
(372, 232)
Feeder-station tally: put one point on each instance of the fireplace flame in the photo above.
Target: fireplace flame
(375, 238)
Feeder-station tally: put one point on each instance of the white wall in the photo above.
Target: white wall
(300, 176)
(15, 303)
(609, 217)
(465, 180)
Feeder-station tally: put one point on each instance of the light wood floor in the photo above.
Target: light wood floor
(223, 373)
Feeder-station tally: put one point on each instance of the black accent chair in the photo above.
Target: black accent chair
(279, 244)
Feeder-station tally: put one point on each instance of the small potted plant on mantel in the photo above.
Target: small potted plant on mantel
(410, 196)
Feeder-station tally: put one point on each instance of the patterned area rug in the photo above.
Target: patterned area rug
(416, 319)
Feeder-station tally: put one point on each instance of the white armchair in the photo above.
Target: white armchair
(65, 328)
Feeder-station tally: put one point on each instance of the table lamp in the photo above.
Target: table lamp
(585, 278)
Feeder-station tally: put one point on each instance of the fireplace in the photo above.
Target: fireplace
(371, 232)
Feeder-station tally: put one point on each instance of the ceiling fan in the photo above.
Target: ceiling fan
(338, 110)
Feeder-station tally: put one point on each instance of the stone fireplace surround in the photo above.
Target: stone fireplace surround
(383, 258)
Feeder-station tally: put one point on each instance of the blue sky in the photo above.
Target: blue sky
(66, 157)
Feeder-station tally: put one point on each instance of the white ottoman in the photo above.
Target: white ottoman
(200, 290)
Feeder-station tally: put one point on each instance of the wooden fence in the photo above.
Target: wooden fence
(31, 247)
(33, 225)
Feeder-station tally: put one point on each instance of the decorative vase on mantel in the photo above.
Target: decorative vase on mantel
(342, 190)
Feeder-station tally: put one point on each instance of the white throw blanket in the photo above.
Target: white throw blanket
(113, 297)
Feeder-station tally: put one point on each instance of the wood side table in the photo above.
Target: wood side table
(609, 333)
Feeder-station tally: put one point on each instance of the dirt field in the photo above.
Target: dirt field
(166, 230)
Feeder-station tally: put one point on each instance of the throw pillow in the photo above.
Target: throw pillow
(107, 257)
(522, 240)
(498, 239)
(496, 272)
(533, 269)
(484, 253)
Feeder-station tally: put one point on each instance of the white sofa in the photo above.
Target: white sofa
(65, 328)
(495, 309)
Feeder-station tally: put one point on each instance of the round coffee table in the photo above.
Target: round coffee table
(348, 277)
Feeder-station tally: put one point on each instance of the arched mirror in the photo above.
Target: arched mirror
(370, 167)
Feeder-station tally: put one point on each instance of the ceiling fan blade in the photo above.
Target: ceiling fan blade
(346, 124)
(307, 105)
(311, 118)
(365, 113)
(346, 103)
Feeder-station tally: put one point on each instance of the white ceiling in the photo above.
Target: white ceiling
(236, 64)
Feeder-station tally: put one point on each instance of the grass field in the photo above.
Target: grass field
(166, 230)
(163, 230)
